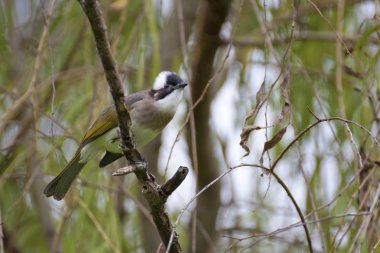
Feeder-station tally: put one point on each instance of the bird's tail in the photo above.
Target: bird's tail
(59, 186)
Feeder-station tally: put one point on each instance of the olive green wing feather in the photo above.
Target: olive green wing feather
(108, 118)
(59, 186)
(106, 121)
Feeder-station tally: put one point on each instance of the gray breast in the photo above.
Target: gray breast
(145, 113)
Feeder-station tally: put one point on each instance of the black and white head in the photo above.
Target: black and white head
(168, 90)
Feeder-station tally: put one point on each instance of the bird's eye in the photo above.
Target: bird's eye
(166, 86)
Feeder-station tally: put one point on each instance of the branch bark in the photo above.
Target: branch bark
(99, 29)
(154, 194)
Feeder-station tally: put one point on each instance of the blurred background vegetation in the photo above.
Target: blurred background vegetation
(284, 64)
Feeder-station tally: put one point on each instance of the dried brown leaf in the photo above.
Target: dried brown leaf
(273, 142)
(244, 136)
(253, 112)
(276, 139)
(284, 93)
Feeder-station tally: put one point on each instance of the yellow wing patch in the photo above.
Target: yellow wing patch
(105, 122)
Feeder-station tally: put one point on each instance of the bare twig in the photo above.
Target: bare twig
(14, 110)
(316, 123)
(340, 17)
(360, 236)
(354, 145)
(348, 227)
(172, 237)
(305, 9)
(339, 63)
(58, 233)
(98, 226)
(124, 191)
(299, 211)
(291, 144)
(1, 235)
(311, 197)
(322, 36)
(263, 236)
(377, 244)
(169, 187)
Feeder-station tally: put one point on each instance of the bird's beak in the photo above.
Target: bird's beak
(182, 85)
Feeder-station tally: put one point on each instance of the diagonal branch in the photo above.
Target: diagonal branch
(154, 194)
(99, 29)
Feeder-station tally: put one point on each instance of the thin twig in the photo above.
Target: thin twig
(1, 235)
(316, 123)
(349, 205)
(58, 232)
(311, 196)
(353, 143)
(98, 226)
(306, 35)
(204, 189)
(290, 145)
(13, 111)
(363, 227)
(299, 211)
(263, 236)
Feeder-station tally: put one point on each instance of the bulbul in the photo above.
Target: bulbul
(150, 110)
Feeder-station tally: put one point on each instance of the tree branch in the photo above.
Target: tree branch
(155, 195)
(99, 29)
(321, 36)
(172, 184)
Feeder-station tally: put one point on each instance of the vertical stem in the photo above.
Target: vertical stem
(339, 58)
(1, 235)
(154, 37)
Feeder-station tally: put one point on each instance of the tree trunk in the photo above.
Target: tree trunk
(212, 15)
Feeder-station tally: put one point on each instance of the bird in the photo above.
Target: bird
(150, 111)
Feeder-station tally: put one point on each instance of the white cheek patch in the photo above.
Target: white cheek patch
(170, 102)
(160, 80)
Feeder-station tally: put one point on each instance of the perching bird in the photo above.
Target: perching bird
(150, 110)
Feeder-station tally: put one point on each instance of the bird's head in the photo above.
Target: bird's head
(168, 90)
(168, 85)
(166, 82)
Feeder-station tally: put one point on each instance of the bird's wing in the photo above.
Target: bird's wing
(106, 121)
